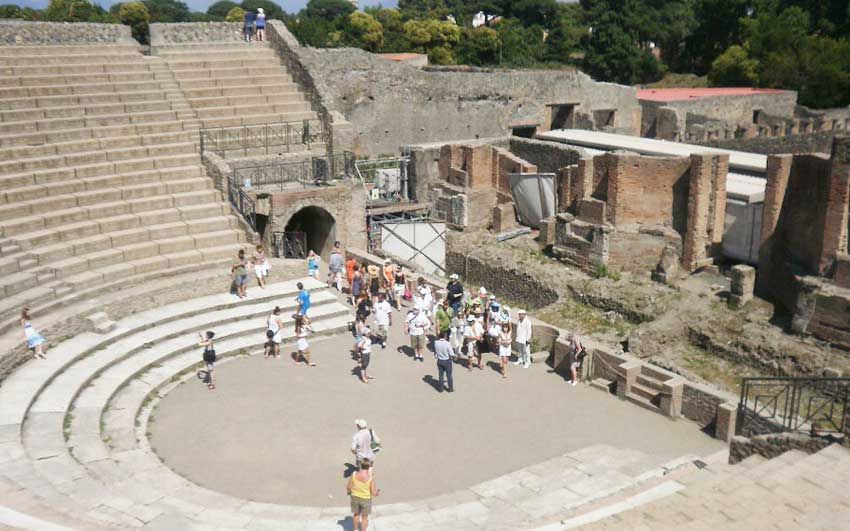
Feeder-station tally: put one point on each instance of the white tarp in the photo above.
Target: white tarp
(534, 196)
(420, 242)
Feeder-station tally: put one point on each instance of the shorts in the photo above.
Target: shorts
(361, 506)
(384, 331)
(504, 351)
(365, 357)
(417, 342)
(305, 313)
(398, 289)
(277, 338)
(313, 273)
(302, 344)
(210, 365)
(241, 280)
(261, 270)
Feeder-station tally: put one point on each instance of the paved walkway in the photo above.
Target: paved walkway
(278, 432)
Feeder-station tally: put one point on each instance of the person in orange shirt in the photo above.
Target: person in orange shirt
(350, 267)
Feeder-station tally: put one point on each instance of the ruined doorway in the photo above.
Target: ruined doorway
(563, 116)
(318, 227)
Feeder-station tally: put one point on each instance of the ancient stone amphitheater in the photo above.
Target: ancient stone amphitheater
(111, 231)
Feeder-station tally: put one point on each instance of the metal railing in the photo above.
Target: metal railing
(289, 244)
(384, 180)
(270, 138)
(816, 406)
(317, 171)
(243, 203)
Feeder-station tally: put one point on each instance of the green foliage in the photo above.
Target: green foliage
(272, 10)
(236, 14)
(522, 46)
(135, 15)
(479, 46)
(328, 9)
(434, 37)
(602, 271)
(167, 10)
(24, 13)
(75, 11)
(734, 68)
(197, 16)
(615, 55)
(221, 8)
(368, 32)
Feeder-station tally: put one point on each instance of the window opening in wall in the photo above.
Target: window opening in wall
(524, 131)
(604, 118)
(563, 116)
(756, 116)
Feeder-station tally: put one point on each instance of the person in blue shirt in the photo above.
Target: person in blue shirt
(248, 29)
(303, 300)
(313, 264)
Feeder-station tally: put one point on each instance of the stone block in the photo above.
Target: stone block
(842, 270)
(671, 398)
(540, 356)
(626, 378)
(668, 265)
(724, 426)
(100, 323)
(504, 217)
(743, 284)
(547, 232)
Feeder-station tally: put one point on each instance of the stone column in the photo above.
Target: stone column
(724, 425)
(671, 398)
(835, 226)
(778, 173)
(743, 284)
(627, 377)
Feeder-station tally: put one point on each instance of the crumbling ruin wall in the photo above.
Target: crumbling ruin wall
(393, 104)
(28, 33)
(818, 142)
(549, 157)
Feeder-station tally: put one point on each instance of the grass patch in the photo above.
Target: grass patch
(574, 315)
(721, 372)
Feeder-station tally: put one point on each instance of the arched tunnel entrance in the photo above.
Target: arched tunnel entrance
(315, 227)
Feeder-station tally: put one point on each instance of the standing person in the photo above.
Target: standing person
(523, 339)
(356, 286)
(374, 283)
(443, 318)
(383, 318)
(362, 489)
(364, 442)
(456, 334)
(240, 274)
(336, 265)
(473, 336)
(35, 341)
(399, 286)
(313, 264)
(426, 294)
(388, 277)
(303, 301)
(261, 24)
(505, 341)
(261, 266)
(208, 356)
(248, 28)
(302, 330)
(455, 293)
(444, 353)
(417, 323)
(275, 326)
(578, 354)
(364, 347)
(364, 306)
(350, 267)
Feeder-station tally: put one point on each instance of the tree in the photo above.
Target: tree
(533, 12)
(434, 37)
(718, 29)
(24, 13)
(272, 10)
(328, 9)
(479, 46)
(522, 46)
(75, 11)
(615, 55)
(167, 10)
(368, 32)
(236, 14)
(135, 15)
(734, 68)
(221, 8)
(393, 24)
(565, 38)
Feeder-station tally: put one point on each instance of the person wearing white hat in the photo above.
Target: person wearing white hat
(473, 333)
(454, 293)
(417, 323)
(364, 346)
(362, 442)
(523, 339)
(260, 24)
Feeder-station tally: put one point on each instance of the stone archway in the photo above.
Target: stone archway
(319, 227)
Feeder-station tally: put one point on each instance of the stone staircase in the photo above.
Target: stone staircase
(645, 392)
(70, 427)
(100, 175)
(792, 491)
(232, 84)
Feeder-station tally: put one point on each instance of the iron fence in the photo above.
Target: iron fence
(817, 406)
(243, 203)
(270, 138)
(316, 171)
(289, 244)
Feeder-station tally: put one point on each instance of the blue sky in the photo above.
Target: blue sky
(201, 5)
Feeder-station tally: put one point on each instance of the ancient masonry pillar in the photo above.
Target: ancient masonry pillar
(778, 173)
(704, 226)
(835, 229)
(618, 169)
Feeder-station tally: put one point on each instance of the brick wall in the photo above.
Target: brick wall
(648, 190)
(706, 209)
(549, 157)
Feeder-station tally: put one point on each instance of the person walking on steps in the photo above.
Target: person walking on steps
(303, 301)
(35, 341)
(336, 266)
(248, 25)
(313, 264)
(444, 353)
(261, 266)
(523, 339)
(362, 489)
(302, 330)
(260, 23)
(239, 271)
(275, 326)
(209, 356)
